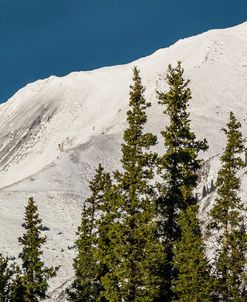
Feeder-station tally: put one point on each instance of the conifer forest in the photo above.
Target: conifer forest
(141, 236)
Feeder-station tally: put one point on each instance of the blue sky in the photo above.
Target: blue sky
(39, 38)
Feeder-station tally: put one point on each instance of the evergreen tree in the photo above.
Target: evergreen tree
(31, 283)
(228, 218)
(6, 274)
(86, 285)
(88, 270)
(17, 289)
(134, 252)
(178, 166)
(193, 282)
(107, 243)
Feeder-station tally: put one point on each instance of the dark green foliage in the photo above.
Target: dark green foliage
(179, 164)
(86, 284)
(88, 270)
(18, 289)
(228, 218)
(6, 274)
(107, 243)
(31, 282)
(134, 253)
(193, 283)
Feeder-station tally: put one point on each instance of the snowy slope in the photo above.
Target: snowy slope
(55, 131)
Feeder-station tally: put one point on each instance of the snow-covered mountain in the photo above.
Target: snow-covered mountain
(55, 131)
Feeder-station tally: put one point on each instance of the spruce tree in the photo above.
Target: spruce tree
(6, 274)
(193, 282)
(32, 281)
(134, 252)
(178, 166)
(227, 217)
(86, 286)
(17, 288)
(108, 241)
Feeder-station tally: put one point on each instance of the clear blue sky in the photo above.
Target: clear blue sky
(39, 38)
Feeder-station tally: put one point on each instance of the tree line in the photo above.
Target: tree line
(140, 237)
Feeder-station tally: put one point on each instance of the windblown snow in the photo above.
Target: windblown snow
(55, 131)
